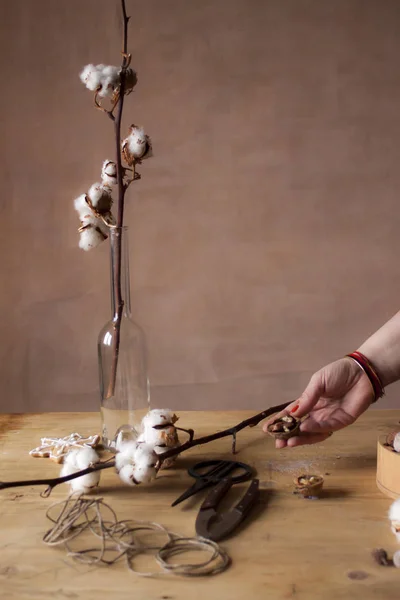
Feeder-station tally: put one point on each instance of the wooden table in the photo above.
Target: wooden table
(289, 548)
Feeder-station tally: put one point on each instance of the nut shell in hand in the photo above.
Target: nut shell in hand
(284, 427)
(308, 485)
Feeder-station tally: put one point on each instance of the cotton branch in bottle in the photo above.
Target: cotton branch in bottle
(78, 460)
(105, 80)
(136, 146)
(135, 463)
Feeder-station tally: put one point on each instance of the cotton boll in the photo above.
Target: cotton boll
(86, 457)
(145, 455)
(127, 475)
(100, 197)
(396, 442)
(71, 460)
(110, 80)
(159, 416)
(91, 76)
(81, 458)
(145, 459)
(85, 483)
(143, 474)
(68, 467)
(80, 204)
(86, 215)
(137, 146)
(152, 436)
(109, 173)
(78, 460)
(126, 455)
(91, 237)
(168, 436)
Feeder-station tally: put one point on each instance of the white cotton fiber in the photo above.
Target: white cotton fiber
(78, 460)
(159, 416)
(90, 238)
(110, 80)
(126, 455)
(91, 76)
(127, 475)
(109, 173)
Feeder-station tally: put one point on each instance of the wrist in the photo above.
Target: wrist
(382, 360)
(370, 370)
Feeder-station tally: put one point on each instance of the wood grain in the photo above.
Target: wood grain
(289, 547)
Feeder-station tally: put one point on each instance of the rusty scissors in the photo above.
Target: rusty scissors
(220, 473)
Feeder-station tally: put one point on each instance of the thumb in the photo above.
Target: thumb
(309, 398)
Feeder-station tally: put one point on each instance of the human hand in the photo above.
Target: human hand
(335, 397)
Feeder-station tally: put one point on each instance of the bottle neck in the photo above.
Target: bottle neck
(119, 273)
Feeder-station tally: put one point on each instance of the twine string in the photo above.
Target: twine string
(120, 537)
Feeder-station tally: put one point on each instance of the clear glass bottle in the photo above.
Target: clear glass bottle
(124, 384)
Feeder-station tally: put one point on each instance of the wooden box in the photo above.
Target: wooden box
(388, 469)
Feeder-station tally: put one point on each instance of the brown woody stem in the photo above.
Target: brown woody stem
(231, 431)
(116, 275)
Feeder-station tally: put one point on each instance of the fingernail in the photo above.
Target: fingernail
(293, 410)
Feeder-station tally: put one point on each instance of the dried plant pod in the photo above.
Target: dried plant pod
(308, 486)
(284, 427)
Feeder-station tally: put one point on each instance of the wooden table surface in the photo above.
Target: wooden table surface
(289, 548)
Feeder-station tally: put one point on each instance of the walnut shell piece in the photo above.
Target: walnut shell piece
(308, 486)
(284, 427)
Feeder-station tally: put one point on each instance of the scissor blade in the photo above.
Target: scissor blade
(215, 527)
(196, 487)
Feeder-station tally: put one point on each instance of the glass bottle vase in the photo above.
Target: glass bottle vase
(124, 384)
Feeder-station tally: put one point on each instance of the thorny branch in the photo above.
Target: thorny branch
(192, 441)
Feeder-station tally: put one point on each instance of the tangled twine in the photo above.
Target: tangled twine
(118, 539)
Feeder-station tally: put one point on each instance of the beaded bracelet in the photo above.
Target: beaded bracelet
(364, 363)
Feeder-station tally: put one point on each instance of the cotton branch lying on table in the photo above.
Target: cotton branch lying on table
(137, 146)
(106, 79)
(52, 482)
(77, 460)
(135, 461)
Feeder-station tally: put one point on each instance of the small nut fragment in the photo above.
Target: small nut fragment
(308, 486)
(284, 427)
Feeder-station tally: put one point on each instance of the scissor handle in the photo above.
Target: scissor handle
(215, 470)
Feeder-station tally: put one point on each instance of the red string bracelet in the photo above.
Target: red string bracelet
(370, 372)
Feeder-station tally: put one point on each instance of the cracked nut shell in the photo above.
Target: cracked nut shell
(308, 485)
(284, 427)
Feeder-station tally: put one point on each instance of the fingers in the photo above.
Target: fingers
(309, 397)
(302, 440)
(303, 405)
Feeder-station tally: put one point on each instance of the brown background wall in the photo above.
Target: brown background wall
(265, 231)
